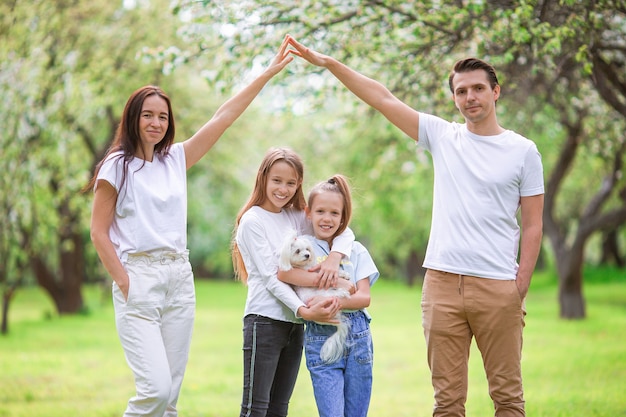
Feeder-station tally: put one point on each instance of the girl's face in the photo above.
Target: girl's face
(325, 214)
(153, 120)
(282, 184)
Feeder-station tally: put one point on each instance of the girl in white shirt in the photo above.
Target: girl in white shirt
(138, 228)
(272, 325)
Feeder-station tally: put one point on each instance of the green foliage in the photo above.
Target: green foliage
(66, 70)
(542, 53)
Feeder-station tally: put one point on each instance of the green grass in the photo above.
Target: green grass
(74, 366)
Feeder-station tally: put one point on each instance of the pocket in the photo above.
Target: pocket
(364, 350)
(186, 291)
(118, 296)
(145, 285)
(312, 351)
(362, 345)
(315, 335)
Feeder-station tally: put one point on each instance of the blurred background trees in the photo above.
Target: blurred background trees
(67, 67)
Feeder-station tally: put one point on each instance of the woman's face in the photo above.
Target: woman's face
(153, 120)
(282, 184)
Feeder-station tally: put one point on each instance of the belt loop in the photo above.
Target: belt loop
(460, 282)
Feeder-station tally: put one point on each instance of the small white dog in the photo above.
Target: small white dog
(297, 252)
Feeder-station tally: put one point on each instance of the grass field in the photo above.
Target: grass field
(74, 367)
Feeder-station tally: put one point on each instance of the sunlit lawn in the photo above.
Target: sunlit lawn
(74, 366)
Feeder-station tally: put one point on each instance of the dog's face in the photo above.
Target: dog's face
(301, 253)
(297, 253)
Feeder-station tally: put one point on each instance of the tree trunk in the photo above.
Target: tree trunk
(571, 300)
(572, 304)
(66, 291)
(610, 250)
(414, 269)
(7, 296)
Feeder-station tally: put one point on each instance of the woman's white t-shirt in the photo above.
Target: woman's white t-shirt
(479, 181)
(151, 208)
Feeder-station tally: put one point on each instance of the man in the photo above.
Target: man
(474, 286)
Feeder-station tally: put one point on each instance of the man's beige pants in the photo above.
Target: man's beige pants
(456, 308)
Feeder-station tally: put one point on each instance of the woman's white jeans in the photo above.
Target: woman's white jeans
(155, 326)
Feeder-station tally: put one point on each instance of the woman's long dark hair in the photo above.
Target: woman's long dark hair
(127, 136)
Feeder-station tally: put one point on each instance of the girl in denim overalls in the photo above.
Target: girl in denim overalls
(343, 387)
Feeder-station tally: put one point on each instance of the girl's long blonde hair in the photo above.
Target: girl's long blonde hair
(259, 195)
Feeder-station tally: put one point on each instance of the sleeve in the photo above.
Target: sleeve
(364, 265)
(423, 131)
(177, 152)
(111, 171)
(343, 242)
(532, 176)
(258, 256)
(430, 128)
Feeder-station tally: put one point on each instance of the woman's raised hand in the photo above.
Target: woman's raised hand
(282, 58)
(310, 55)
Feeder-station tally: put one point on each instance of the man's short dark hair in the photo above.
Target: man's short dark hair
(473, 64)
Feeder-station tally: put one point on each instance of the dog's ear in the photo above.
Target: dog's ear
(284, 260)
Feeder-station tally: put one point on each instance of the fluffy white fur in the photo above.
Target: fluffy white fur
(298, 252)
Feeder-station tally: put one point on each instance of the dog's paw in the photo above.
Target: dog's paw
(344, 275)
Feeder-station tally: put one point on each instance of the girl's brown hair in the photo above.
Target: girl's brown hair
(127, 136)
(335, 184)
(259, 195)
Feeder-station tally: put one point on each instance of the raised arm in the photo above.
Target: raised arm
(370, 91)
(204, 139)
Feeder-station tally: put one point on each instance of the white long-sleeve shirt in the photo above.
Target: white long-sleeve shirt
(260, 236)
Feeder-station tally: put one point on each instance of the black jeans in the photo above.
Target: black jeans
(272, 351)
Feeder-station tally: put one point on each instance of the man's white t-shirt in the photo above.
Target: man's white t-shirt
(477, 188)
(151, 208)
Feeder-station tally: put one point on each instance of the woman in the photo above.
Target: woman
(138, 228)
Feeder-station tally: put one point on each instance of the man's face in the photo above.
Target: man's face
(474, 97)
